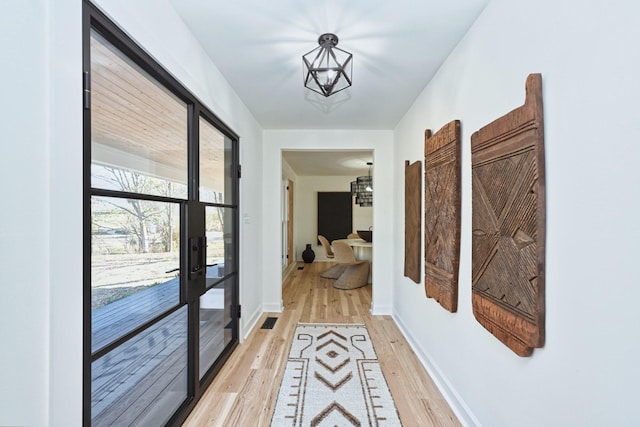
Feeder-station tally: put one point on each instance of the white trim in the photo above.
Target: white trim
(454, 400)
(288, 270)
(273, 308)
(249, 324)
(380, 142)
(381, 309)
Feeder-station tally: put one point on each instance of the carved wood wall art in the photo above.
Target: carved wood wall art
(508, 220)
(442, 214)
(412, 219)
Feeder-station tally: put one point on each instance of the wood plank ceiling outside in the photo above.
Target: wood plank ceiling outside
(142, 124)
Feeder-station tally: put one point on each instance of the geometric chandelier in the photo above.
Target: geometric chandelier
(327, 69)
(362, 189)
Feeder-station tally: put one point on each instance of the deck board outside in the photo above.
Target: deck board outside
(114, 320)
(147, 372)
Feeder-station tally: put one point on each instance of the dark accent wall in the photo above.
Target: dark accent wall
(335, 214)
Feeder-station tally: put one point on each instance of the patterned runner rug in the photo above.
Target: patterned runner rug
(333, 378)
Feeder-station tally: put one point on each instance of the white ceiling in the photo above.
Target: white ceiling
(397, 48)
(328, 163)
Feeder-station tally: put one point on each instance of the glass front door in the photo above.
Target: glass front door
(162, 229)
(217, 198)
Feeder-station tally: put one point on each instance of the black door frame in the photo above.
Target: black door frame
(94, 19)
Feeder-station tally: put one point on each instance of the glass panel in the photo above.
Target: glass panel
(219, 230)
(215, 323)
(215, 165)
(143, 381)
(135, 258)
(138, 128)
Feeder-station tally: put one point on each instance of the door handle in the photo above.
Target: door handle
(197, 256)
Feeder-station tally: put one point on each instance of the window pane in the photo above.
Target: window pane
(143, 381)
(219, 230)
(138, 128)
(215, 323)
(135, 258)
(215, 165)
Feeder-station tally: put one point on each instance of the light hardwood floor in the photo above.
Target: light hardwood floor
(244, 392)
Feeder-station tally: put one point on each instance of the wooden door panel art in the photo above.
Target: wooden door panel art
(442, 214)
(508, 221)
(412, 219)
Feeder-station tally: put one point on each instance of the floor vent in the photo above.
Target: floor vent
(269, 322)
(300, 268)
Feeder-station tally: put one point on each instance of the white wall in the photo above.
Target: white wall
(41, 166)
(24, 228)
(65, 217)
(381, 143)
(306, 206)
(588, 371)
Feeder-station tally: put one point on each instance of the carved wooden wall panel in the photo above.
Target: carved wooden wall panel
(442, 214)
(412, 219)
(509, 224)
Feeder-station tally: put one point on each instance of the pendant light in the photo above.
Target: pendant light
(327, 69)
(362, 189)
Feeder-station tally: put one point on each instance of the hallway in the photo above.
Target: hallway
(245, 390)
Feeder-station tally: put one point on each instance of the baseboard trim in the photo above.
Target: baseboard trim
(381, 309)
(288, 269)
(272, 307)
(250, 323)
(457, 404)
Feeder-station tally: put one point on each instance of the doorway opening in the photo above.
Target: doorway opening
(317, 171)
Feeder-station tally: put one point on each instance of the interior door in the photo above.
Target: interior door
(291, 256)
(288, 255)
